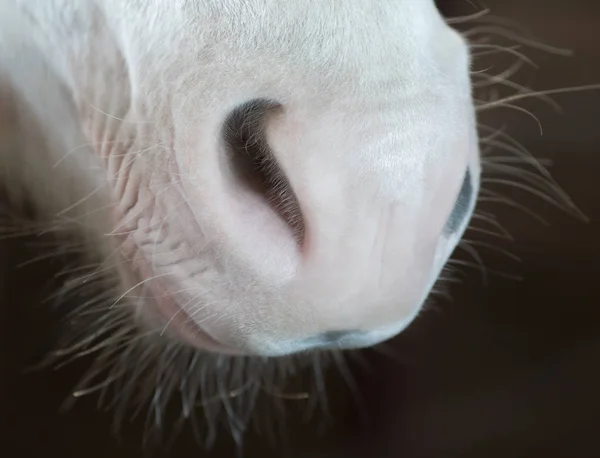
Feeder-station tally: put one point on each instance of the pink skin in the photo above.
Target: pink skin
(374, 132)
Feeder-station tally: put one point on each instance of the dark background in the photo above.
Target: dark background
(509, 368)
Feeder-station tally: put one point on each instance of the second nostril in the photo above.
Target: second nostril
(254, 165)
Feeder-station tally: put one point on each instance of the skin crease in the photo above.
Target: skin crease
(119, 109)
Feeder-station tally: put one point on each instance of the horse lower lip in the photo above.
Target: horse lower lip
(183, 326)
(176, 321)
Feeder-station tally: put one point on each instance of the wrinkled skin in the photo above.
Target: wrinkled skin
(133, 118)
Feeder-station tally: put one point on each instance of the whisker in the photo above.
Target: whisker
(517, 97)
(468, 18)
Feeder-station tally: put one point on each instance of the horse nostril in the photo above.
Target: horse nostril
(253, 163)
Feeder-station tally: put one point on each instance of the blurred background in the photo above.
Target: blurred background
(509, 367)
